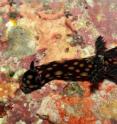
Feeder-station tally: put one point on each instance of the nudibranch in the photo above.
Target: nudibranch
(103, 65)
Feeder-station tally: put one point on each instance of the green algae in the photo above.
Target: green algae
(20, 42)
(72, 89)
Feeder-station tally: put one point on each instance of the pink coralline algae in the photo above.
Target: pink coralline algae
(49, 30)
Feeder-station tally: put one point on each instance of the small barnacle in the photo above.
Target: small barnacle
(88, 23)
(67, 14)
(67, 49)
(76, 39)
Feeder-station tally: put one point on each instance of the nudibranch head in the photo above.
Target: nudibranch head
(31, 80)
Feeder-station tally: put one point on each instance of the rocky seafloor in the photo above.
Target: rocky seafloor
(54, 30)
